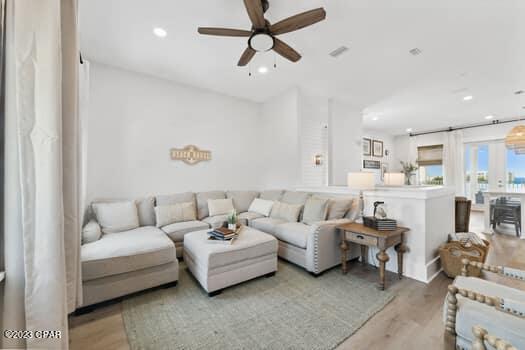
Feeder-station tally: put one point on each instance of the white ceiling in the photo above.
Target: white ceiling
(470, 47)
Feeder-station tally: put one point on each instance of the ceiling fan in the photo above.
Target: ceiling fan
(262, 35)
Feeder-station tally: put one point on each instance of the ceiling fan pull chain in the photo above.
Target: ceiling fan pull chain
(274, 60)
(249, 70)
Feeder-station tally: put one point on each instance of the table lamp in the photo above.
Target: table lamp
(361, 181)
(394, 179)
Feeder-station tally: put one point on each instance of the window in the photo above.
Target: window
(430, 161)
(515, 171)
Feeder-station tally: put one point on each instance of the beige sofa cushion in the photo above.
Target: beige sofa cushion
(242, 199)
(183, 197)
(295, 233)
(267, 225)
(295, 197)
(285, 211)
(116, 216)
(337, 207)
(271, 195)
(177, 230)
(261, 206)
(216, 221)
(91, 232)
(202, 202)
(169, 214)
(146, 211)
(315, 210)
(122, 252)
(220, 206)
(246, 217)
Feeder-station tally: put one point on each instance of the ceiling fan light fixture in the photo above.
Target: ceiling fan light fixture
(261, 42)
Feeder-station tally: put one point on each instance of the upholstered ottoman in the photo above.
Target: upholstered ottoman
(217, 266)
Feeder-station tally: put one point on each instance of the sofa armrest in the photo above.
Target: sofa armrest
(323, 245)
(501, 270)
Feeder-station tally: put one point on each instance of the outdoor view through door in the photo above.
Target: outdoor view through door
(490, 165)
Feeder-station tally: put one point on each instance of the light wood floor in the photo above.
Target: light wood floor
(411, 321)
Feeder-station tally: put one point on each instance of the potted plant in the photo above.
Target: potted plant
(408, 170)
(232, 220)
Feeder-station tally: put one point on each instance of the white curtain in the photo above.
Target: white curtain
(453, 161)
(43, 169)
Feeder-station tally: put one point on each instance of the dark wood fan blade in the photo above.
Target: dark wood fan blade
(247, 55)
(298, 21)
(224, 31)
(286, 51)
(255, 12)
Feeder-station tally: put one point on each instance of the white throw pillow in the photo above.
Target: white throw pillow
(91, 232)
(169, 214)
(285, 211)
(116, 216)
(261, 206)
(315, 210)
(220, 206)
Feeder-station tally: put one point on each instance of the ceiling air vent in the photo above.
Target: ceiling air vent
(415, 51)
(339, 51)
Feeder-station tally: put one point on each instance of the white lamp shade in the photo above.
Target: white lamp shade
(361, 181)
(394, 179)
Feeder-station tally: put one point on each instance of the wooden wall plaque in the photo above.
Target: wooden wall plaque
(190, 154)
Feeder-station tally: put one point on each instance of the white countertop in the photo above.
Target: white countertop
(416, 192)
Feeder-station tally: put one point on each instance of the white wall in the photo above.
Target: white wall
(345, 128)
(279, 141)
(136, 119)
(313, 139)
(389, 160)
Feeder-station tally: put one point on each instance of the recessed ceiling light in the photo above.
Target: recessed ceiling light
(467, 98)
(375, 118)
(489, 117)
(160, 32)
(263, 70)
(409, 130)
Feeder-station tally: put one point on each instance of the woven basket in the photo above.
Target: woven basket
(452, 253)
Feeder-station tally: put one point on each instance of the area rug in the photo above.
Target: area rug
(291, 310)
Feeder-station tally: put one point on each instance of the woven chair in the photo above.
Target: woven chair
(482, 336)
(476, 302)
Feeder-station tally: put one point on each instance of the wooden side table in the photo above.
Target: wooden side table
(369, 237)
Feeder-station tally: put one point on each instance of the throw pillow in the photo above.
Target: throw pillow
(338, 207)
(202, 202)
(261, 206)
(242, 199)
(116, 216)
(91, 232)
(315, 210)
(220, 206)
(169, 214)
(285, 211)
(145, 208)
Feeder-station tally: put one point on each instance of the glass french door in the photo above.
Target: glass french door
(485, 168)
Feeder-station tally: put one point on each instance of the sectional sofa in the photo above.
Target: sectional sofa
(128, 246)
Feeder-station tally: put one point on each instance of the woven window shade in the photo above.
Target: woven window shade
(430, 155)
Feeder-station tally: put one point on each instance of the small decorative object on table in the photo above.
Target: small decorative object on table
(408, 170)
(460, 246)
(232, 220)
(379, 220)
